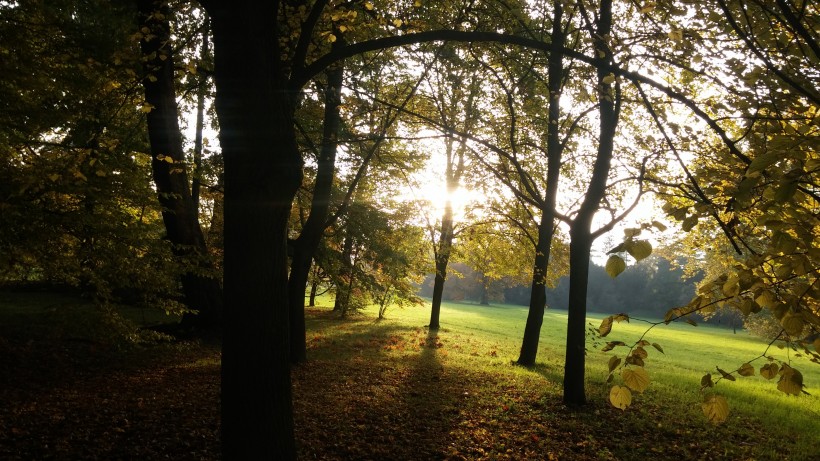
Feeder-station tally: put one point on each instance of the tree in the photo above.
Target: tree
(456, 88)
(78, 206)
(180, 210)
(255, 106)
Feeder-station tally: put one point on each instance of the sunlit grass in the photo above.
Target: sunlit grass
(488, 338)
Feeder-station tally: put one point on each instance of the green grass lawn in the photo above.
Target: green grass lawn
(486, 339)
(389, 389)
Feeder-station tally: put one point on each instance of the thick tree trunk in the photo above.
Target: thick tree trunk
(580, 247)
(168, 165)
(485, 291)
(263, 170)
(546, 228)
(304, 247)
(580, 230)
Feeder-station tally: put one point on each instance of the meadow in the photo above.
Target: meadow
(479, 344)
(75, 386)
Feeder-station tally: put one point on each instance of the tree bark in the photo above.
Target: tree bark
(581, 228)
(179, 211)
(442, 259)
(304, 247)
(263, 170)
(546, 228)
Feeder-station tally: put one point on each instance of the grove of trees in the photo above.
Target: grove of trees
(562, 115)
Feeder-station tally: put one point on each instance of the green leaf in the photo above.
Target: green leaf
(658, 347)
(746, 370)
(636, 378)
(620, 397)
(716, 409)
(606, 326)
(615, 265)
(639, 249)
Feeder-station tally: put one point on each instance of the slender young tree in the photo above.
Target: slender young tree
(168, 164)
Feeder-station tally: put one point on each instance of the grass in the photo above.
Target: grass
(388, 389)
(483, 341)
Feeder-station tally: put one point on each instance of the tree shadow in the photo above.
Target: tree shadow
(383, 390)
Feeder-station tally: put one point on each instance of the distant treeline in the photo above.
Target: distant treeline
(649, 288)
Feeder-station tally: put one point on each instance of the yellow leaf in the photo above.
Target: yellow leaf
(659, 225)
(792, 323)
(769, 370)
(606, 326)
(636, 378)
(725, 374)
(706, 380)
(614, 361)
(791, 381)
(632, 232)
(53, 177)
(746, 370)
(648, 7)
(368, 6)
(397, 22)
(639, 249)
(146, 108)
(80, 176)
(676, 35)
(612, 345)
(716, 409)
(331, 38)
(417, 4)
(640, 352)
(620, 397)
(615, 265)
(609, 79)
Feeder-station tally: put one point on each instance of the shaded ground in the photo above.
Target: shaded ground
(371, 392)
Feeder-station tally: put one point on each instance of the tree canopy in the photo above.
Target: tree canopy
(564, 114)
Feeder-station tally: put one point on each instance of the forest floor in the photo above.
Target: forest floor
(371, 391)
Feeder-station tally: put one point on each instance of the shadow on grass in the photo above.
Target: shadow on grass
(380, 389)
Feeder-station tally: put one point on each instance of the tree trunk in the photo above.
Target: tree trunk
(580, 247)
(546, 228)
(263, 170)
(344, 275)
(304, 247)
(442, 259)
(581, 229)
(314, 288)
(179, 212)
(538, 295)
